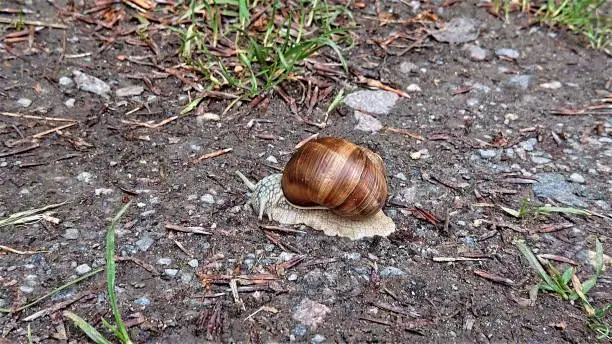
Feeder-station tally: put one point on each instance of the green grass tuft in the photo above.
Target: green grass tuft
(585, 17)
(567, 286)
(250, 47)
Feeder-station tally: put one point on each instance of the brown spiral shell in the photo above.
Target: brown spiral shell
(336, 174)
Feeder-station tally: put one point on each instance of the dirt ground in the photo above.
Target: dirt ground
(374, 290)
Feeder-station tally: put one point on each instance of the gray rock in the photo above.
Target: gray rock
(292, 277)
(24, 102)
(505, 52)
(193, 263)
(145, 242)
(368, 101)
(271, 159)
(520, 81)
(367, 122)
(71, 233)
(129, 91)
(91, 84)
(458, 30)
(269, 247)
(556, 187)
(164, 261)
(70, 103)
(66, 81)
(577, 178)
(487, 153)
(390, 271)
(83, 269)
(142, 301)
(171, 272)
(477, 53)
(408, 67)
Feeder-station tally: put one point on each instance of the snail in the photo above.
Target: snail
(329, 184)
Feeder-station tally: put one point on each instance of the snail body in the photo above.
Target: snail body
(329, 184)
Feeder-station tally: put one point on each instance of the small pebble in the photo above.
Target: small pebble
(510, 117)
(317, 339)
(207, 198)
(528, 145)
(70, 102)
(408, 67)
(487, 153)
(299, 330)
(520, 81)
(292, 277)
(401, 176)
(510, 53)
(477, 53)
(71, 234)
(171, 272)
(540, 160)
(142, 301)
(391, 271)
(471, 102)
(129, 91)
(103, 191)
(26, 289)
(352, 256)
(207, 117)
(193, 263)
(164, 261)
(144, 243)
(186, 277)
(269, 247)
(286, 256)
(413, 88)
(577, 178)
(83, 269)
(415, 155)
(24, 102)
(65, 81)
(271, 159)
(84, 177)
(553, 85)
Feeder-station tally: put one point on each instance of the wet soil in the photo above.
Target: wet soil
(376, 289)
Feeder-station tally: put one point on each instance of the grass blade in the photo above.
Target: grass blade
(533, 261)
(111, 274)
(89, 330)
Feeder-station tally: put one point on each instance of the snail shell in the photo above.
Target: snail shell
(338, 175)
